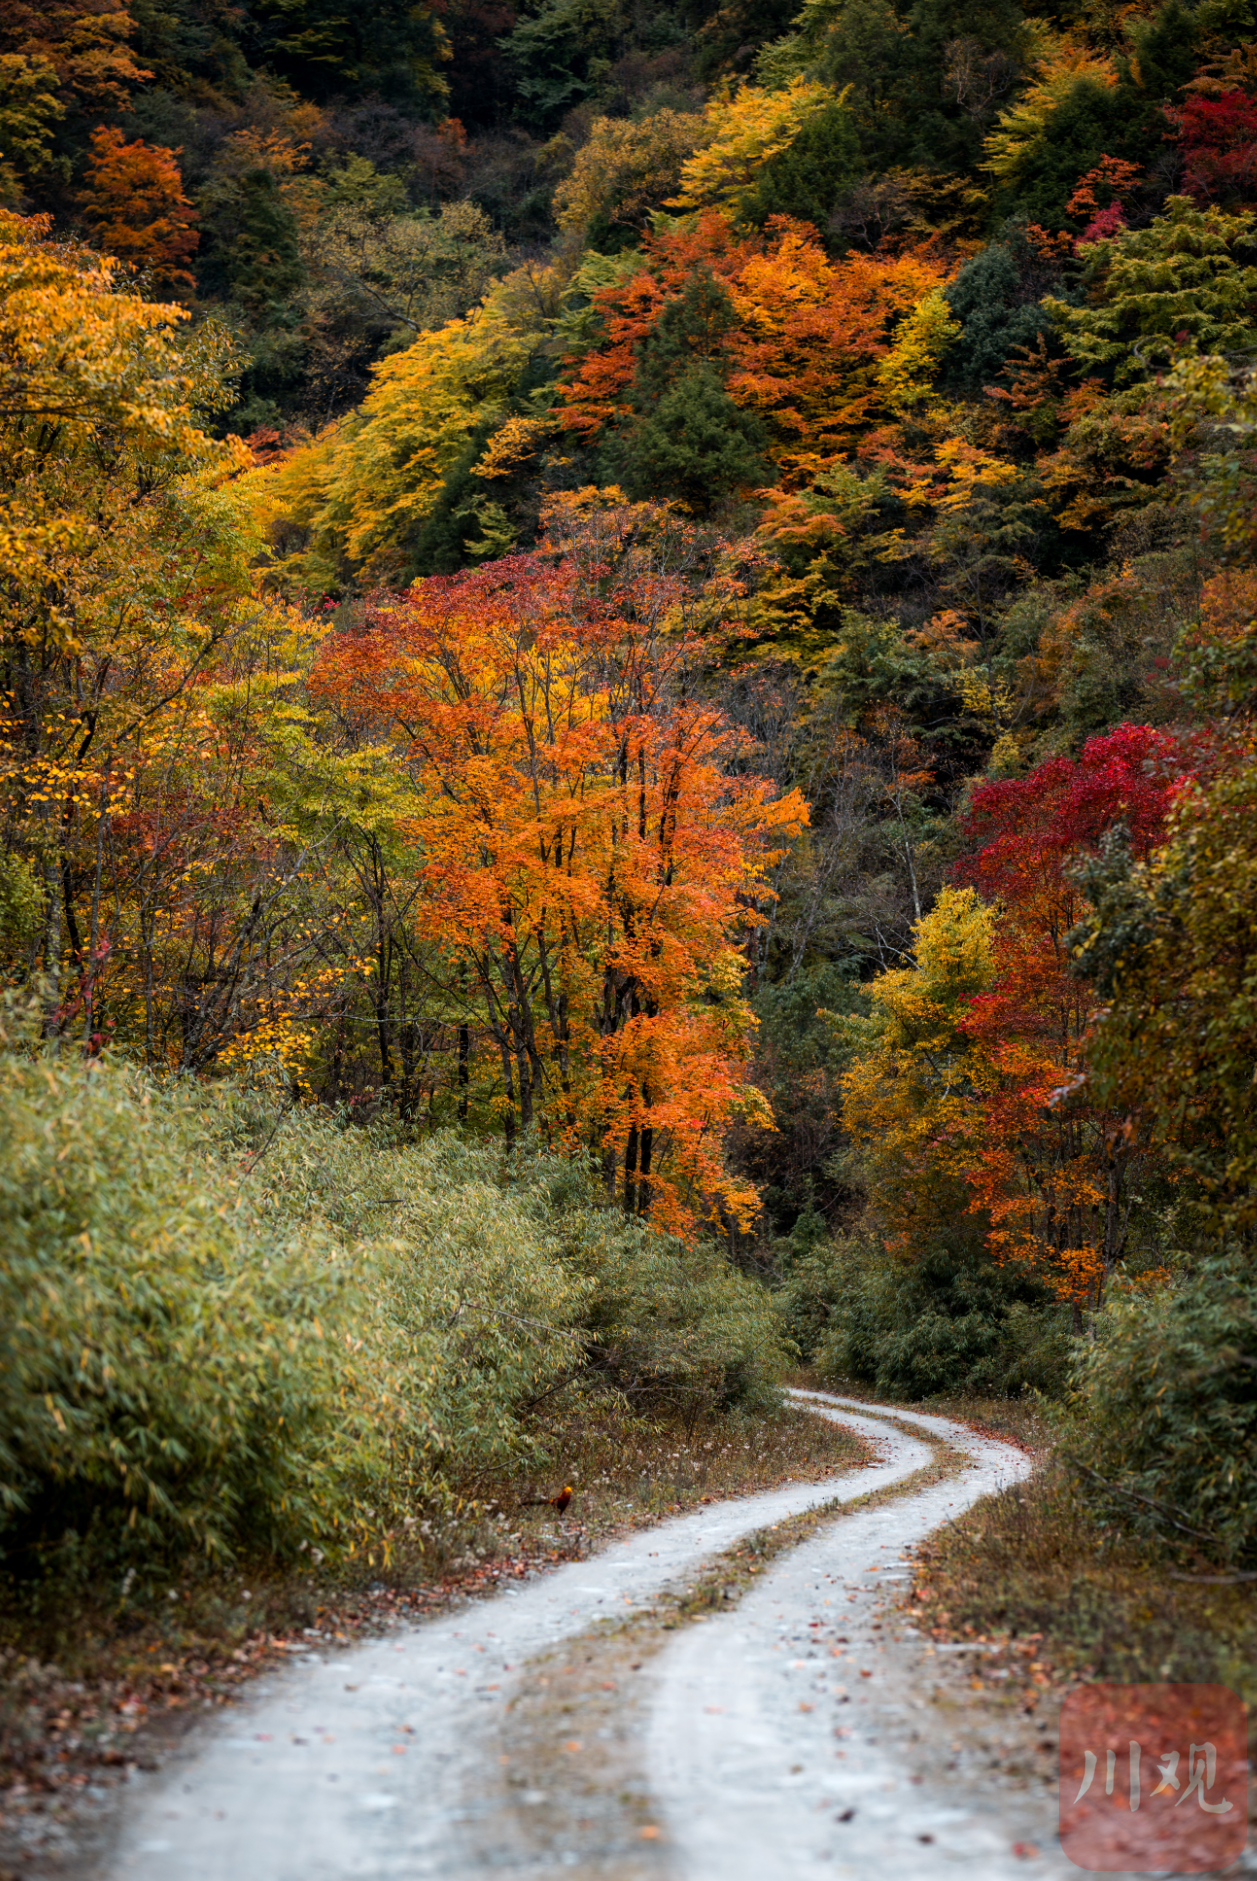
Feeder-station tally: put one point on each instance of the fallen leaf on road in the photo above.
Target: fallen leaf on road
(650, 1833)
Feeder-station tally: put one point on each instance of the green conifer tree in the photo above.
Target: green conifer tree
(810, 176)
(264, 264)
(690, 440)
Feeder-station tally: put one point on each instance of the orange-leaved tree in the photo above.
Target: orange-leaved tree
(1050, 1166)
(134, 204)
(808, 337)
(589, 842)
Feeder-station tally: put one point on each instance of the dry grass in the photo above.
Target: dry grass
(1022, 1421)
(626, 1474)
(1070, 1599)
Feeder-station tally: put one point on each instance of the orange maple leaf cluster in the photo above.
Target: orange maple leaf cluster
(810, 331)
(589, 844)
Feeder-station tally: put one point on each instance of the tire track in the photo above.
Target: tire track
(781, 1740)
(368, 1763)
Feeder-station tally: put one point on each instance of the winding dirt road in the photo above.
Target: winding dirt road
(764, 1754)
(754, 1776)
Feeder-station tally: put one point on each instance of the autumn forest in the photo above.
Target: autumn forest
(629, 629)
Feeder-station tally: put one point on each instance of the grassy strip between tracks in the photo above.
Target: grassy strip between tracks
(572, 1791)
(733, 1573)
(92, 1689)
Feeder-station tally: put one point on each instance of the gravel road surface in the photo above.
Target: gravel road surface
(804, 1732)
(359, 1764)
(782, 1734)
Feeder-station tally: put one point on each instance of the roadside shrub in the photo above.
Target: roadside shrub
(228, 1324)
(470, 1276)
(669, 1326)
(1165, 1414)
(540, 1284)
(950, 1322)
(177, 1366)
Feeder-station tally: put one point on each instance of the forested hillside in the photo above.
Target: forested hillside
(671, 585)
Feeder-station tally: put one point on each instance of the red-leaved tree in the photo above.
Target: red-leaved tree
(1052, 1168)
(1218, 141)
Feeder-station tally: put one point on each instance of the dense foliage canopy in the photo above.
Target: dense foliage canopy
(671, 584)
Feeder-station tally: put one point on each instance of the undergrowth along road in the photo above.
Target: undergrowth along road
(761, 1711)
(359, 1763)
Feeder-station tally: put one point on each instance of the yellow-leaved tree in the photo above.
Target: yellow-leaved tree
(129, 787)
(102, 401)
(907, 373)
(627, 168)
(1063, 65)
(908, 1096)
(742, 133)
(353, 499)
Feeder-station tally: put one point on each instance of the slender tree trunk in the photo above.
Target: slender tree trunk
(527, 1090)
(93, 945)
(508, 1073)
(647, 1151)
(71, 925)
(52, 942)
(146, 942)
(630, 1172)
(381, 1004)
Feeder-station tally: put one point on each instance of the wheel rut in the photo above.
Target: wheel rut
(582, 1724)
(798, 1738)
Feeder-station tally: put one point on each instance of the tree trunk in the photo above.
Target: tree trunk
(630, 1172)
